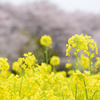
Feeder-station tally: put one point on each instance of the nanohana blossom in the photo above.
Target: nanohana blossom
(80, 42)
(40, 82)
(55, 60)
(46, 40)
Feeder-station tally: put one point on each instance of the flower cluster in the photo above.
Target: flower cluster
(4, 66)
(68, 65)
(39, 82)
(46, 40)
(55, 60)
(84, 45)
(84, 61)
(28, 61)
(81, 42)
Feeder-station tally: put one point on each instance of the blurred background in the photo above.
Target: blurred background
(23, 22)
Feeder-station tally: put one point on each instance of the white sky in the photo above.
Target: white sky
(69, 5)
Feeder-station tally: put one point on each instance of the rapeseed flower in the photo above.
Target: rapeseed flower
(68, 65)
(81, 42)
(97, 63)
(46, 40)
(40, 83)
(84, 61)
(55, 60)
(78, 41)
(4, 66)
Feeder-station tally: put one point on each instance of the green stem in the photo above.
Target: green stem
(75, 91)
(53, 68)
(76, 61)
(46, 55)
(94, 94)
(89, 59)
(75, 72)
(62, 91)
(85, 90)
(76, 58)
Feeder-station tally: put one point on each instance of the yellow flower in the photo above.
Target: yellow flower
(4, 65)
(81, 42)
(68, 65)
(84, 61)
(75, 53)
(78, 41)
(46, 40)
(87, 72)
(78, 50)
(92, 55)
(55, 60)
(71, 72)
(97, 63)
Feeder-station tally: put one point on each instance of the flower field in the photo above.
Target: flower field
(34, 81)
